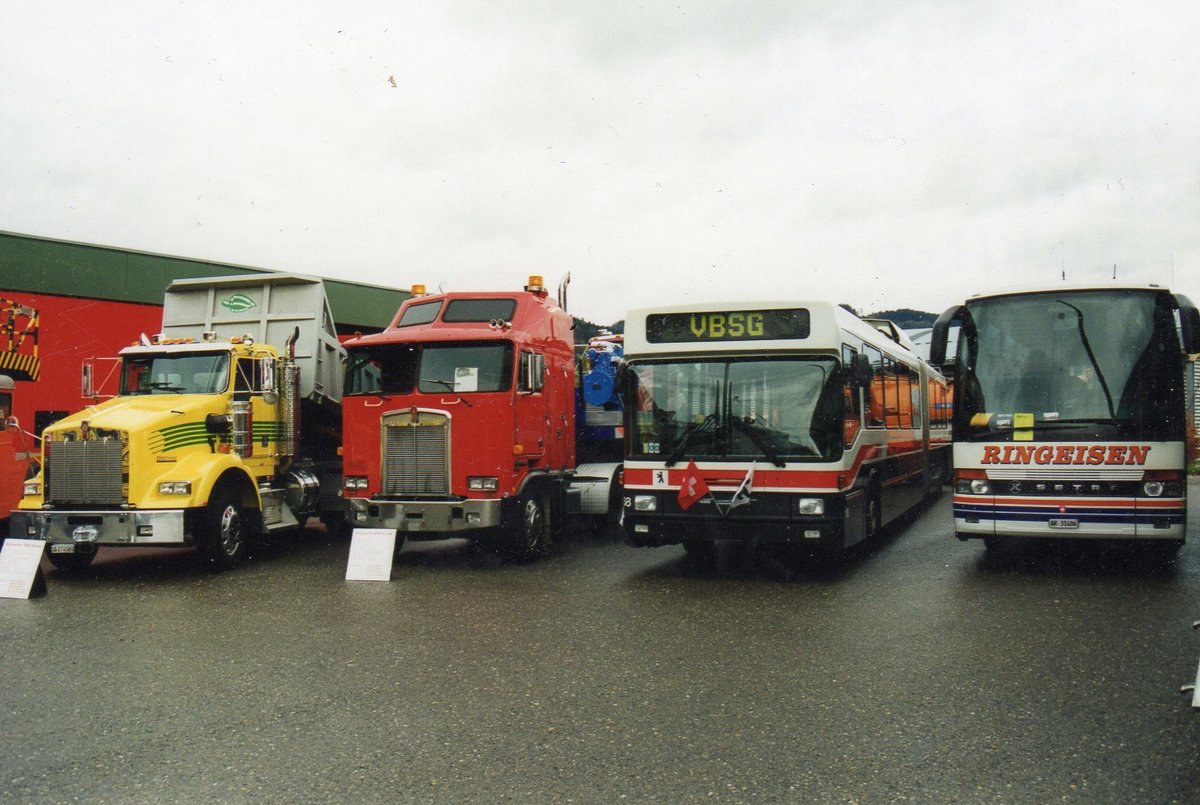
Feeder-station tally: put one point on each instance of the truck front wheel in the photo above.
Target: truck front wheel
(224, 533)
(529, 537)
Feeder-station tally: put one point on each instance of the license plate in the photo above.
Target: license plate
(1064, 522)
(62, 547)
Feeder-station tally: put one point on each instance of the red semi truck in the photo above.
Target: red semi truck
(466, 417)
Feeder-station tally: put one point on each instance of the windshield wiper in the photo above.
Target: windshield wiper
(759, 441)
(1087, 347)
(678, 452)
(163, 386)
(450, 385)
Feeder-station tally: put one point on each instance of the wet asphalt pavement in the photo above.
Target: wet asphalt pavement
(921, 671)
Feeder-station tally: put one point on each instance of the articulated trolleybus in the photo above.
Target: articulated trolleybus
(1069, 415)
(797, 424)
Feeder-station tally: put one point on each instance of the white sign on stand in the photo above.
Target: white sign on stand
(371, 553)
(19, 562)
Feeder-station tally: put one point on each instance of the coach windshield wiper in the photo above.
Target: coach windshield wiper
(678, 452)
(1087, 347)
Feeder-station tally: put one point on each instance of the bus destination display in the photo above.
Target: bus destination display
(727, 325)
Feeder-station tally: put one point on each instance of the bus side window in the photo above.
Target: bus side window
(852, 418)
(904, 413)
(875, 397)
(891, 395)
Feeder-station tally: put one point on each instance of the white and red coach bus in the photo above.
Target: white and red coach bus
(1069, 415)
(792, 422)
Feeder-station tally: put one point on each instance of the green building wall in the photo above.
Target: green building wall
(43, 265)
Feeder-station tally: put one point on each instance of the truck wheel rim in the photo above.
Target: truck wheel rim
(533, 523)
(231, 531)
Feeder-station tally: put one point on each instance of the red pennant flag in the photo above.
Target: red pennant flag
(693, 487)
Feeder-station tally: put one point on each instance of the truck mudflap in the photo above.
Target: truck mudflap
(70, 528)
(437, 516)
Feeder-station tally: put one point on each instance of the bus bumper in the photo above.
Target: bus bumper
(1112, 518)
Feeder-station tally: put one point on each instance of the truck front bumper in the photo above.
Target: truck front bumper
(437, 516)
(91, 528)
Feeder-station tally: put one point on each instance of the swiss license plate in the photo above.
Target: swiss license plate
(1064, 522)
(62, 547)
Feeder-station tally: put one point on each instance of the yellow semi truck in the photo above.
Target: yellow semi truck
(227, 425)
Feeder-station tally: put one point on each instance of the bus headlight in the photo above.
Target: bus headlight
(979, 487)
(1153, 489)
(645, 503)
(175, 488)
(812, 506)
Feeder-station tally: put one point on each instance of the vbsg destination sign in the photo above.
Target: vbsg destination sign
(727, 325)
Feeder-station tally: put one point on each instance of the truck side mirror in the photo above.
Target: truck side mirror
(533, 372)
(268, 368)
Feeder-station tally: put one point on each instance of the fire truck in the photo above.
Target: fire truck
(226, 427)
(471, 415)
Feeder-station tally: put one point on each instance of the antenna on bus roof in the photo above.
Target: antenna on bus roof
(1114, 270)
(1062, 260)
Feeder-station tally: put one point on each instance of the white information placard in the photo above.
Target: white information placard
(19, 561)
(371, 552)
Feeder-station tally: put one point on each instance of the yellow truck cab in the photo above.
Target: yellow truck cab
(226, 426)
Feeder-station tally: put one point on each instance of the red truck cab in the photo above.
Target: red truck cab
(459, 419)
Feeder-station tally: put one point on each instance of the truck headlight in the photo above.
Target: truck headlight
(355, 482)
(483, 484)
(175, 488)
(812, 506)
(645, 503)
(31, 489)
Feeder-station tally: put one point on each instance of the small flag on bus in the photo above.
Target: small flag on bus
(694, 487)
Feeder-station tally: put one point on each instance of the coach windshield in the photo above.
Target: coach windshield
(1068, 365)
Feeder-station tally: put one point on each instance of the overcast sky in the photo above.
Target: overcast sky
(885, 154)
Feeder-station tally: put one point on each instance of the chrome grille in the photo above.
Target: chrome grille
(84, 472)
(416, 455)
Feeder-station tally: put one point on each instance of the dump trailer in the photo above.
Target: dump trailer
(227, 426)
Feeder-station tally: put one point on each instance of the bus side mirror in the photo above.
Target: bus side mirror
(861, 372)
(1189, 324)
(939, 338)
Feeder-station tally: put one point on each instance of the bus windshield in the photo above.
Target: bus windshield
(1069, 362)
(783, 409)
(461, 368)
(187, 373)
